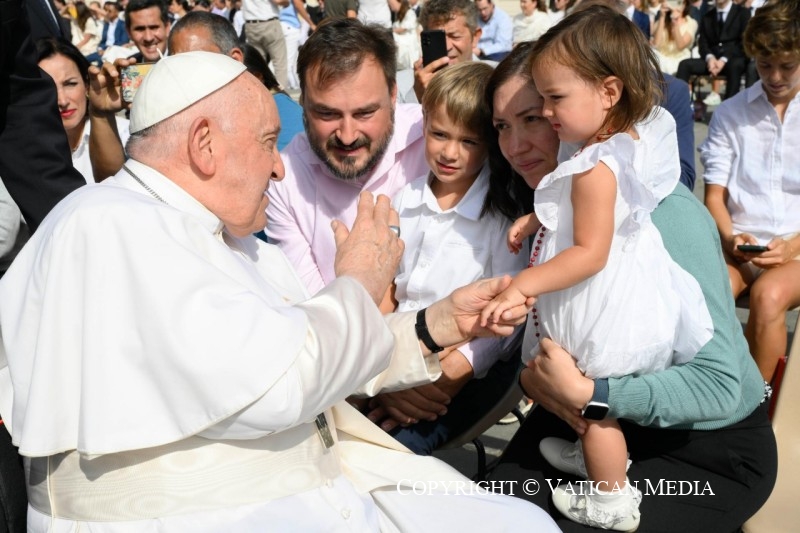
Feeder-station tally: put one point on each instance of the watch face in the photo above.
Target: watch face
(595, 411)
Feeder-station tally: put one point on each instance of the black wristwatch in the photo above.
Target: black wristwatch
(597, 407)
(423, 334)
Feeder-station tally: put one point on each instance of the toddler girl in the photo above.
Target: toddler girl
(607, 289)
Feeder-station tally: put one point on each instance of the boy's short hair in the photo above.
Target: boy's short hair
(774, 30)
(460, 89)
(440, 12)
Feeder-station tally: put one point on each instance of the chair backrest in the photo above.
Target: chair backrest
(781, 512)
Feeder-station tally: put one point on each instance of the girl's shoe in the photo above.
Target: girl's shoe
(564, 455)
(617, 510)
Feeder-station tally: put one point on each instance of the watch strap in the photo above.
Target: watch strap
(423, 334)
(600, 390)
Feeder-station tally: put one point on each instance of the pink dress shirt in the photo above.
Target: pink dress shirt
(303, 205)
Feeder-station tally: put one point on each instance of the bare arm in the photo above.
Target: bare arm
(715, 199)
(300, 8)
(105, 147)
(681, 35)
(659, 27)
(593, 196)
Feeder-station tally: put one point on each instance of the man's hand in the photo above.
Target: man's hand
(370, 251)
(715, 66)
(554, 380)
(105, 96)
(731, 245)
(425, 402)
(406, 407)
(457, 318)
(779, 253)
(423, 75)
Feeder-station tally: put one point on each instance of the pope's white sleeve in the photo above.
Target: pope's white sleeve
(347, 344)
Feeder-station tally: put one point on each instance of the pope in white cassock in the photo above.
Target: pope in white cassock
(164, 371)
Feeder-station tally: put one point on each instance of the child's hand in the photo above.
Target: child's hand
(514, 238)
(508, 299)
(521, 229)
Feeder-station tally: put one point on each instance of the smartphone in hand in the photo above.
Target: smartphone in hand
(752, 248)
(131, 78)
(434, 45)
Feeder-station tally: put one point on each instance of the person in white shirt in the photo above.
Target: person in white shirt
(532, 22)
(70, 72)
(197, 386)
(375, 12)
(751, 163)
(404, 31)
(450, 227)
(496, 31)
(263, 31)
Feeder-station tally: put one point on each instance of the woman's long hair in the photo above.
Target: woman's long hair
(508, 193)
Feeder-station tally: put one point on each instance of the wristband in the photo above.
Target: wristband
(424, 335)
(597, 407)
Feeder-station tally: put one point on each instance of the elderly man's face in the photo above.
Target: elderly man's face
(248, 159)
(350, 122)
(148, 32)
(485, 8)
(460, 41)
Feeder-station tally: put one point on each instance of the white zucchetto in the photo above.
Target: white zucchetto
(178, 81)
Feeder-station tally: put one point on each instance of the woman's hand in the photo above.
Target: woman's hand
(554, 380)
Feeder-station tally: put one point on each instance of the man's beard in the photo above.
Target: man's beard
(345, 168)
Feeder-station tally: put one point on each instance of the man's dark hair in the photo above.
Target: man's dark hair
(221, 31)
(339, 47)
(138, 5)
(440, 12)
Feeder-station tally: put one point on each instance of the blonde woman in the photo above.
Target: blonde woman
(86, 31)
(673, 34)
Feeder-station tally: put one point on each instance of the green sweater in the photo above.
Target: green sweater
(722, 384)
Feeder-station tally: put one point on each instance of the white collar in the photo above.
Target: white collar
(83, 143)
(469, 206)
(168, 192)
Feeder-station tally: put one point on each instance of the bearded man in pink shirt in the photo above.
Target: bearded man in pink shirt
(356, 139)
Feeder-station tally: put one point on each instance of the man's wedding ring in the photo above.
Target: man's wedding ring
(396, 230)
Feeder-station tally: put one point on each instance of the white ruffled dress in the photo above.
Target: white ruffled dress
(642, 312)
